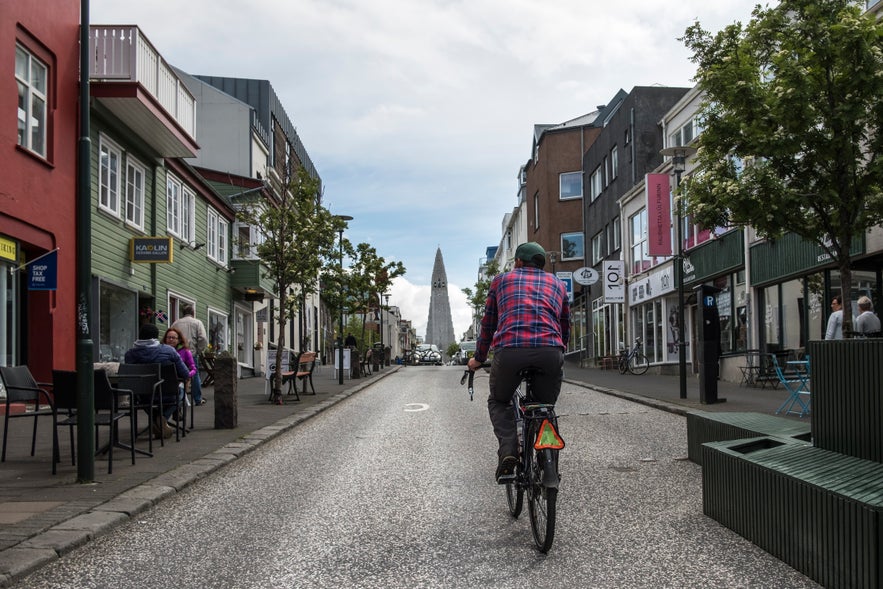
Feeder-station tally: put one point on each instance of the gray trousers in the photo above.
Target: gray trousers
(504, 380)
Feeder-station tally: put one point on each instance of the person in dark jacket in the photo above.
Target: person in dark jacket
(148, 350)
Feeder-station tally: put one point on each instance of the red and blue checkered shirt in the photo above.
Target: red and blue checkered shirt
(526, 308)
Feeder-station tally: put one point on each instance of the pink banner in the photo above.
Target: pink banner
(659, 222)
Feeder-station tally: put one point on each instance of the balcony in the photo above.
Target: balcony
(131, 79)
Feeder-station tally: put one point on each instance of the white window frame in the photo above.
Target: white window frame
(597, 248)
(136, 175)
(216, 232)
(562, 182)
(180, 209)
(216, 317)
(596, 183)
(536, 210)
(110, 171)
(33, 106)
(614, 163)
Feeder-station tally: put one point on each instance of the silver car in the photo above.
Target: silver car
(464, 352)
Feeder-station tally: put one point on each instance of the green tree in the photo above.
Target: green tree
(478, 296)
(792, 126)
(298, 238)
(371, 276)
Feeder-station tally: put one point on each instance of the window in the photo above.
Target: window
(571, 185)
(572, 246)
(640, 255)
(614, 163)
(247, 240)
(134, 193)
(595, 183)
(109, 160)
(32, 79)
(597, 248)
(180, 209)
(617, 240)
(217, 329)
(216, 237)
(536, 210)
(684, 135)
(606, 167)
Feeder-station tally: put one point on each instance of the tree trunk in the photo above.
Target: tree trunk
(846, 296)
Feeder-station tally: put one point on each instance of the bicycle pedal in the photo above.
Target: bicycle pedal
(505, 479)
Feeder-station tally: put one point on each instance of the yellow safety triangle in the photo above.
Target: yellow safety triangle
(548, 438)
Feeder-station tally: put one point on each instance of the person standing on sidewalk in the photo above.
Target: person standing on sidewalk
(527, 323)
(194, 332)
(867, 324)
(835, 321)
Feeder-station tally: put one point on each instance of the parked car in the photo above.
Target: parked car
(427, 354)
(466, 351)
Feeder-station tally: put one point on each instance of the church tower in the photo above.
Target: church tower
(440, 325)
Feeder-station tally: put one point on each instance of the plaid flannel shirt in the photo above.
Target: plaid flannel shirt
(526, 308)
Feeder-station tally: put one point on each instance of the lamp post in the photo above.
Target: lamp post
(678, 157)
(383, 358)
(343, 218)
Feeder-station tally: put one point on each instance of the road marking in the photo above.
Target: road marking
(416, 407)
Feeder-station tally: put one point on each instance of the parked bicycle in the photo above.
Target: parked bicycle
(634, 360)
(537, 471)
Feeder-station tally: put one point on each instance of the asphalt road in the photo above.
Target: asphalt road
(393, 487)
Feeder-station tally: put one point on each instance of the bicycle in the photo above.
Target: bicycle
(633, 360)
(537, 470)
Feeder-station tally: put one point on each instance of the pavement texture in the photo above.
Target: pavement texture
(43, 516)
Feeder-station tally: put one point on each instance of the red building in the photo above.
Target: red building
(39, 65)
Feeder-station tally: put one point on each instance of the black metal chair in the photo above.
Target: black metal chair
(21, 387)
(144, 381)
(64, 391)
(108, 412)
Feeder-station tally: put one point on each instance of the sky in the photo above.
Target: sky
(418, 114)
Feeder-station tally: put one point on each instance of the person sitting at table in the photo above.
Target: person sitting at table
(176, 339)
(148, 350)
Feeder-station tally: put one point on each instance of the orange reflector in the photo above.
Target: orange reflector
(548, 438)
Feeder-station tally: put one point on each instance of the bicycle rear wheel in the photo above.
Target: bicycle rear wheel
(541, 500)
(639, 363)
(515, 498)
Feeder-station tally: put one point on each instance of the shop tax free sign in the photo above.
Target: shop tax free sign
(151, 250)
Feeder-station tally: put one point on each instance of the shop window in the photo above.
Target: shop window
(217, 330)
(118, 326)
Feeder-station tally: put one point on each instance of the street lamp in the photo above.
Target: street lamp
(383, 358)
(678, 157)
(343, 218)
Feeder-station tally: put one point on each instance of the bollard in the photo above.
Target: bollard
(226, 404)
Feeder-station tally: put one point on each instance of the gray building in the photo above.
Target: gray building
(440, 325)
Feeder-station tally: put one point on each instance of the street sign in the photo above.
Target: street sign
(586, 276)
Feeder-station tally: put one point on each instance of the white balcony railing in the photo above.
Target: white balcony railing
(123, 53)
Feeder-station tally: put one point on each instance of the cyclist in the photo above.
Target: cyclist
(527, 323)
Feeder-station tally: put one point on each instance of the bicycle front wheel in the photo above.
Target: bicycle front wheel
(541, 500)
(639, 363)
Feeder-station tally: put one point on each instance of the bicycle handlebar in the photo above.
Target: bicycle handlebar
(470, 376)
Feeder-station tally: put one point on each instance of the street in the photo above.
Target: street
(393, 487)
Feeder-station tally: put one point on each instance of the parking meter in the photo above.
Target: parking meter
(709, 343)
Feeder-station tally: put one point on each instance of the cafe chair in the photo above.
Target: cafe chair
(64, 390)
(109, 412)
(21, 388)
(144, 381)
(169, 387)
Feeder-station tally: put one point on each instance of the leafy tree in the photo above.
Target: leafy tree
(371, 276)
(452, 350)
(792, 126)
(477, 297)
(298, 238)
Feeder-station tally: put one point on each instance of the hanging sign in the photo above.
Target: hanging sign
(585, 276)
(614, 281)
(43, 273)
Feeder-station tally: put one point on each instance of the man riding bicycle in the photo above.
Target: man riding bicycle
(527, 323)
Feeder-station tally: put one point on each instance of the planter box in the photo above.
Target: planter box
(847, 396)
